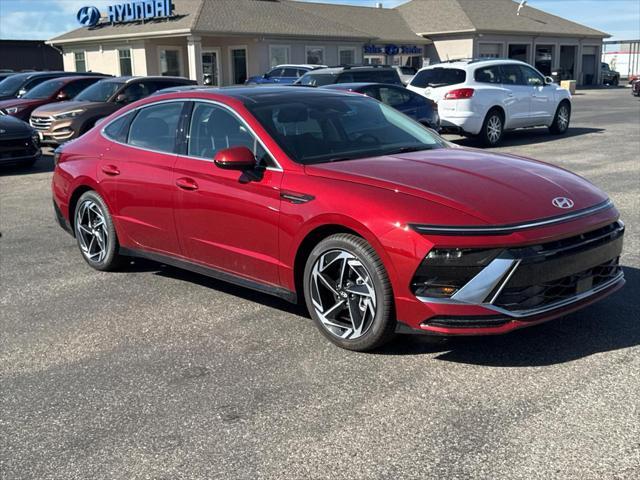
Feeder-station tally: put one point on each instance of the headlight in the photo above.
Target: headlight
(35, 138)
(13, 110)
(69, 114)
(445, 271)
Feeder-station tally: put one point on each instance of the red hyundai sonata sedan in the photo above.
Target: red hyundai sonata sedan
(333, 198)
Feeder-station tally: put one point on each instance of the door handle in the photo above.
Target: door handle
(110, 170)
(187, 184)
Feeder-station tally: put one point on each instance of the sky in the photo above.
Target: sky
(43, 19)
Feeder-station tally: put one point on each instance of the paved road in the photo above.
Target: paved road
(154, 373)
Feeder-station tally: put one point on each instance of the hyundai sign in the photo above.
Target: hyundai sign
(135, 11)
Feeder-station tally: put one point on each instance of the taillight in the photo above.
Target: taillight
(459, 94)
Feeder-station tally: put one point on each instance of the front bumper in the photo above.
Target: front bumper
(52, 131)
(525, 285)
(18, 150)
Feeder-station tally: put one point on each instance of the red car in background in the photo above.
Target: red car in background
(55, 90)
(334, 198)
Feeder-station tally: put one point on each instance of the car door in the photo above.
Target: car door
(542, 108)
(138, 166)
(227, 219)
(517, 96)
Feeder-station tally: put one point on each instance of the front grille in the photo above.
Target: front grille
(557, 271)
(17, 148)
(41, 123)
(541, 295)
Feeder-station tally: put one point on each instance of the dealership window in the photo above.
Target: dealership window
(544, 58)
(238, 58)
(124, 55)
(170, 62)
(346, 55)
(279, 55)
(81, 63)
(490, 50)
(374, 60)
(315, 55)
(519, 52)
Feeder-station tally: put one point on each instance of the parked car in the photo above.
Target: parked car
(19, 84)
(283, 74)
(55, 90)
(635, 88)
(4, 75)
(61, 122)
(416, 106)
(406, 73)
(340, 200)
(488, 97)
(367, 73)
(18, 142)
(609, 77)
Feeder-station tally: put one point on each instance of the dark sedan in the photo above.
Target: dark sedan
(18, 142)
(411, 104)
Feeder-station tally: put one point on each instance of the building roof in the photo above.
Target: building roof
(261, 17)
(432, 17)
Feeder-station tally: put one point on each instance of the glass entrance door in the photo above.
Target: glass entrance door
(238, 65)
(210, 68)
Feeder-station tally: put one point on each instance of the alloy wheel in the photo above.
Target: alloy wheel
(343, 294)
(92, 232)
(563, 118)
(494, 129)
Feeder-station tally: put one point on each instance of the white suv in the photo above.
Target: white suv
(487, 97)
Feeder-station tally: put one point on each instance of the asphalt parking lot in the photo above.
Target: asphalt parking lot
(155, 373)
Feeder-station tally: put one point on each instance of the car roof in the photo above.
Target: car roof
(358, 85)
(464, 63)
(252, 94)
(70, 79)
(340, 69)
(292, 65)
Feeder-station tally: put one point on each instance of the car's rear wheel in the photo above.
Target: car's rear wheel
(348, 293)
(492, 128)
(562, 119)
(95, 233)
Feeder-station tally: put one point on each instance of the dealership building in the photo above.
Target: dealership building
(228, 40)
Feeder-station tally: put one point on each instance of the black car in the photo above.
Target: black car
(18, 142)
(609, 77)
(20, 83)
(350, 74)
(411, 104)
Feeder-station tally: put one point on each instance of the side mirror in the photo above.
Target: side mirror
(62, 96)
(548, 80)
(235, 158)
(121, 98)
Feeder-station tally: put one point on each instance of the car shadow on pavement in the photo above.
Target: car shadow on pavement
(528, 137)
(143, 265)
(611, 324)
(43, 165)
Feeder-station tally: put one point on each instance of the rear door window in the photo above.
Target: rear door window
(119, 128)
(290, 72)
(155, 127)
(439, 77)
(394, 97)
(488, 74)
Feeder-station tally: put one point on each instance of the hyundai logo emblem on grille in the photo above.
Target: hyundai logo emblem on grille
(88, 16)
(562, 202)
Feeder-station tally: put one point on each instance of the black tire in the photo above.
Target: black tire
(488, 134)
(616, 81)
(559, 127)
(111, 259)
(381, 327)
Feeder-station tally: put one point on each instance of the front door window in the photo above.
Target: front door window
(210, 68)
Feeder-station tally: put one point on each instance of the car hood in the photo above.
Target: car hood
(12, 127)
(21, 102)
(59, 107)
(496, 189)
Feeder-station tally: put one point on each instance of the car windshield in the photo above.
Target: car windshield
(98, 92)
(11, 85)
(331, 128)
(317, 79)
(45, 89)
(438, 77)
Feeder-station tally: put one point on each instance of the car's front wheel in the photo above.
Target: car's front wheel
(561, 120)
(348, 293)
(95, 233)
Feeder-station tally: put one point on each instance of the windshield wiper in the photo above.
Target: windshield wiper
(408, 149)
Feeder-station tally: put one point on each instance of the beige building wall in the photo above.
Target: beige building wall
(104, 58)
(449, 48)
